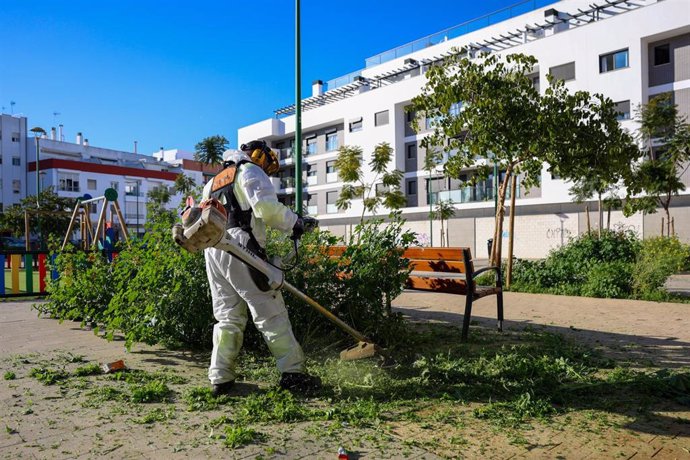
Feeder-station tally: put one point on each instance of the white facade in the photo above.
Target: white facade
(369, 109)
(75, 169)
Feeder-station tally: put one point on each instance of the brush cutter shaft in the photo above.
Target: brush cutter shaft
(331, 317)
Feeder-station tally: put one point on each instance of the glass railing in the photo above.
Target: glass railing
(342, 81)
(471, 194)
(456, 31)
(285, 154)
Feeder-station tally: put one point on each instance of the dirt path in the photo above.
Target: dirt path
(654, 332)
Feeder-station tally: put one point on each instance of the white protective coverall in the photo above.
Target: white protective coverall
(232, 288)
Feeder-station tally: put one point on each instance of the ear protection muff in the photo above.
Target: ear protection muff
(263, 156)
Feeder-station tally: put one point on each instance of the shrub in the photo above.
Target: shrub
(608, 280)
(659, 258)
(582, 266)
(83, 290)
(155, 292)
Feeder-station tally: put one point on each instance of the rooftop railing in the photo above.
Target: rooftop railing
(453, 32)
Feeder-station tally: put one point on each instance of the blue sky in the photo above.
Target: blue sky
(169, 73)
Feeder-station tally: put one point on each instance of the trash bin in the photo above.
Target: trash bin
(489, 243)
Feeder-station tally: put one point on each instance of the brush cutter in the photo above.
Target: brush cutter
(205, 226)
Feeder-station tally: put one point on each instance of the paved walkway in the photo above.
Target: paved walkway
(654, 331)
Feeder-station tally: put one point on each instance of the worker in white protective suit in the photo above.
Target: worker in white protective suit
(251, 202)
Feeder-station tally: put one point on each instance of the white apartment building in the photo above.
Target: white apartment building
(76, 169)
(627, 50)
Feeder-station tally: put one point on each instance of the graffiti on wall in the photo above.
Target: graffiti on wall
(558, 233)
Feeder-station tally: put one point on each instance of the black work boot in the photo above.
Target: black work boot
(220, 389)
(298, 382)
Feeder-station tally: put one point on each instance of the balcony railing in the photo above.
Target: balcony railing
(470, 194)
(287, 182)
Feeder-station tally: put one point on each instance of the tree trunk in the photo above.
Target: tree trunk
(662, 226)
(511, 228)
(668, 221)
(601, 215)
(608, 218)
(673, 226)
(589, 225)
(443, 235)
(500, 214)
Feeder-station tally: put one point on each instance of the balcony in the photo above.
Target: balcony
(332, 208)
(471, 194)
(312, 210)
(287, 182)
(285, 154)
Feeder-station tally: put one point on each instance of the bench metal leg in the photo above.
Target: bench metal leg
(466, 319)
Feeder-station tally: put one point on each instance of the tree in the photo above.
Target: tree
(443, 211)
(158, 197)
(184, 184)
(210, 150)
(483, 106)
(432, 159)
(665, 139)
(349, 167)
(593, 150)
(53, 219)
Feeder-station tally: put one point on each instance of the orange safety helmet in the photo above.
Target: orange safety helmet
(262, 156)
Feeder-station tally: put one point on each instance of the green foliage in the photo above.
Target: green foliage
(237, 436)
(150, 392)
(617, 265)
(184, 185)
(154, 292)
(53, 222)
(349, 167)
(659, 258)
(89, 369)
(201, 399)
(9, 375)
(608, 280)
(516, 412)
(585, 266)
(48, 376)
(658, 177)
(210, 150)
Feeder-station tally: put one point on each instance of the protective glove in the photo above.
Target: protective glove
(298, 229)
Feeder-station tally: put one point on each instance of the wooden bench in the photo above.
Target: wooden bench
(448, 270)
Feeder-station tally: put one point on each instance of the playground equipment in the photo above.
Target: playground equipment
(81, 212)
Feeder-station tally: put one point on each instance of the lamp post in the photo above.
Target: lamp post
(138, 191)
(298, 113)
(38, 132)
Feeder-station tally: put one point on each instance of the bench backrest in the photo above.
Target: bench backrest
(446, 264)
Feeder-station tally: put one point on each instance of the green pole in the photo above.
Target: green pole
(298, 114)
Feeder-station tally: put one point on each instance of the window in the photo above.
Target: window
(381, 118)
(311, 175)
(454, 110)
(131, 189)
(411, 151)
(356, 125)
(91, 184)
(412, 187)
(331, 141)
(115, 186)
(15, 137)
(68, 182)
(16, 186)
(381, 189)
(565, 72)
(311, 146)
(409, 115)
(93, 208)
(330, 167)
(623, 110)
(535, 80)
(662, 54)
(312, 204)
(16, 161)
(331, 198)
(613, 61)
